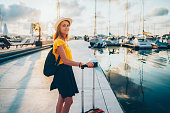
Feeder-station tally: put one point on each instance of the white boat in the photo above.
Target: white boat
(141, 44)
(159, 44)
(97, 43)
(100, 44)
(93, 41)
(140, 41)
(112, 42)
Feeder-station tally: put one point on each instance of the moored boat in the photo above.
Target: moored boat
(141, 44)
(159, 44)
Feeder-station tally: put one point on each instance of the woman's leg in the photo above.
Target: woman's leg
(68, 102)
(60, 102)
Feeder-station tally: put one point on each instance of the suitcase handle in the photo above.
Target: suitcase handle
(83, 66)
(95, 65)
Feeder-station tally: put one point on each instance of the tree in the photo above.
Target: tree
(37, 28)
(85, 37)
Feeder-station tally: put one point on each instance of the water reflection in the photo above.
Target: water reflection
(145, 52)
(128, 89)
(141, 80)
(124, 86)
(137, 77)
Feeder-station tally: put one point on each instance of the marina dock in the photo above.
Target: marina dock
(24, 88)
(130, 39)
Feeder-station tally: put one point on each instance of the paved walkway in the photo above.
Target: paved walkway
(24, 88)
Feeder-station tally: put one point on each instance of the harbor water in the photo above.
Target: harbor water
(140, 79)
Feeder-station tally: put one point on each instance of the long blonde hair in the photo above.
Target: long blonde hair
(58, 32)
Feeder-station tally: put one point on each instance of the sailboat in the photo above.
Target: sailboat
(111, 40)
(159, 44)
(140, 42)
(96, 41)
(126, 40)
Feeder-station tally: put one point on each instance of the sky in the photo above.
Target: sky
(19, 14)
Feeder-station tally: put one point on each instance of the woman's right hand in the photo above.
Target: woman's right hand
(90, 64)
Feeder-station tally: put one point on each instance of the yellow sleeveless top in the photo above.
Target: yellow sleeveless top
(58, 42)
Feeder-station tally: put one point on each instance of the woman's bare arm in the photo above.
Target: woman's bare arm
(61, 52)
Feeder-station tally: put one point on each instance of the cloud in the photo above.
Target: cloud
(18, 12)
(154, 16)
(121, 3)
(165, 22)
(158, 12)
(109, 0)
(99, 15)
(71, 9)
(117, 2)
(165, 26)
(102, 22)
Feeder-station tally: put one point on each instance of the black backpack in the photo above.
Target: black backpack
(50, 66)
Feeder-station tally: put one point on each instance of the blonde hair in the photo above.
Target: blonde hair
(58, 32)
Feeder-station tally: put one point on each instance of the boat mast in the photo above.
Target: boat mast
(154, 28)
(118, 30)
(0, 21)
(95, 20)
(133, 27)
(139, 30)
(109, 17)
(127, 18)
(125, 26)
(143, 18)
(58, 9)
(166, 29)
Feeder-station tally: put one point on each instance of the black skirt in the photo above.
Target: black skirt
(65, 81)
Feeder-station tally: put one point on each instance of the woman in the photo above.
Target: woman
(64, 79)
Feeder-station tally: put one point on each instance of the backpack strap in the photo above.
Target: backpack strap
(58, 60)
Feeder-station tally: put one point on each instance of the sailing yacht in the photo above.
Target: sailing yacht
(159, 44)
(97, 41)
(112, 41)
(141, 43)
